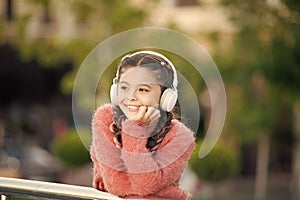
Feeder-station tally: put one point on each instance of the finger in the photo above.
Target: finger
(154, 119)
(140, 115)
(150, 112)
(155, 114)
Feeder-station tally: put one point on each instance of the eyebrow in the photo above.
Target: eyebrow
(124, 82)
(145, 85)
(142, 84)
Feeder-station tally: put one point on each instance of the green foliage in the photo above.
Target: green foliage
(283, 69)
(70, 149)
(266, 43)
(123, 13)
(97, 20)
(292, 4)
(221, 163)
(119, 15)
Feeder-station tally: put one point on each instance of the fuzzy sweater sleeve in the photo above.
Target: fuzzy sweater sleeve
(106, 157)
(103, 148)
(151, 172)
(133, 170)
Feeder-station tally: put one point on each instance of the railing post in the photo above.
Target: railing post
(4, 197)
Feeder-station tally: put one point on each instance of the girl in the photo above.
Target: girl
(138, 149)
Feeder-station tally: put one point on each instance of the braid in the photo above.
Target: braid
(162, 128)
(119, 117)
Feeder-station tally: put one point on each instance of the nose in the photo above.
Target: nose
(132, 96)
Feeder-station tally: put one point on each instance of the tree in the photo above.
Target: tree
(267, 43)
(94, 21)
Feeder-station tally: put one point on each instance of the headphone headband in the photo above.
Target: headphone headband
(175, 80)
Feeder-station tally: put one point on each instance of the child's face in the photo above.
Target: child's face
(137, 87)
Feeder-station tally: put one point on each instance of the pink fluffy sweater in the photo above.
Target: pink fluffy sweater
(133, 171)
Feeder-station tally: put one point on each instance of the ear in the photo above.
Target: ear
(168, 99)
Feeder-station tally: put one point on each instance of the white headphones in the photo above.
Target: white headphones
(168, 98)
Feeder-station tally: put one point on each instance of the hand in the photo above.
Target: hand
(148, 116)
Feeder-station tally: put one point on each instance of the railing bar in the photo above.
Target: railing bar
(29, 195)
(39, 195)
(22, 187)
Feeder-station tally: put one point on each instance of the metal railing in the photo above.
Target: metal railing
(13, 187)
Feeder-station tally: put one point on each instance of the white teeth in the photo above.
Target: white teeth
(132, 108)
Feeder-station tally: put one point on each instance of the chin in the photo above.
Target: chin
(127, 113)
(130, 114)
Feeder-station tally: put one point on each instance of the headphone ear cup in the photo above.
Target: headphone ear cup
(168, 99)
(113, 94)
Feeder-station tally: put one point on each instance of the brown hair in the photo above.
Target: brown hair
(165, 76)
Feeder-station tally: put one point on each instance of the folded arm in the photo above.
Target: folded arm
(157, 170)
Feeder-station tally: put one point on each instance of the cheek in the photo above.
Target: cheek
(152, 99)
(122, 96)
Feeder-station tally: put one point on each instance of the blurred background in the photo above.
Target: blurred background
(254, 43)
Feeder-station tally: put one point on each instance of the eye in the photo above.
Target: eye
(144, 90)
(123, 88)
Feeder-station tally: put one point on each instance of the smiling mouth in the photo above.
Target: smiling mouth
(133, 108)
